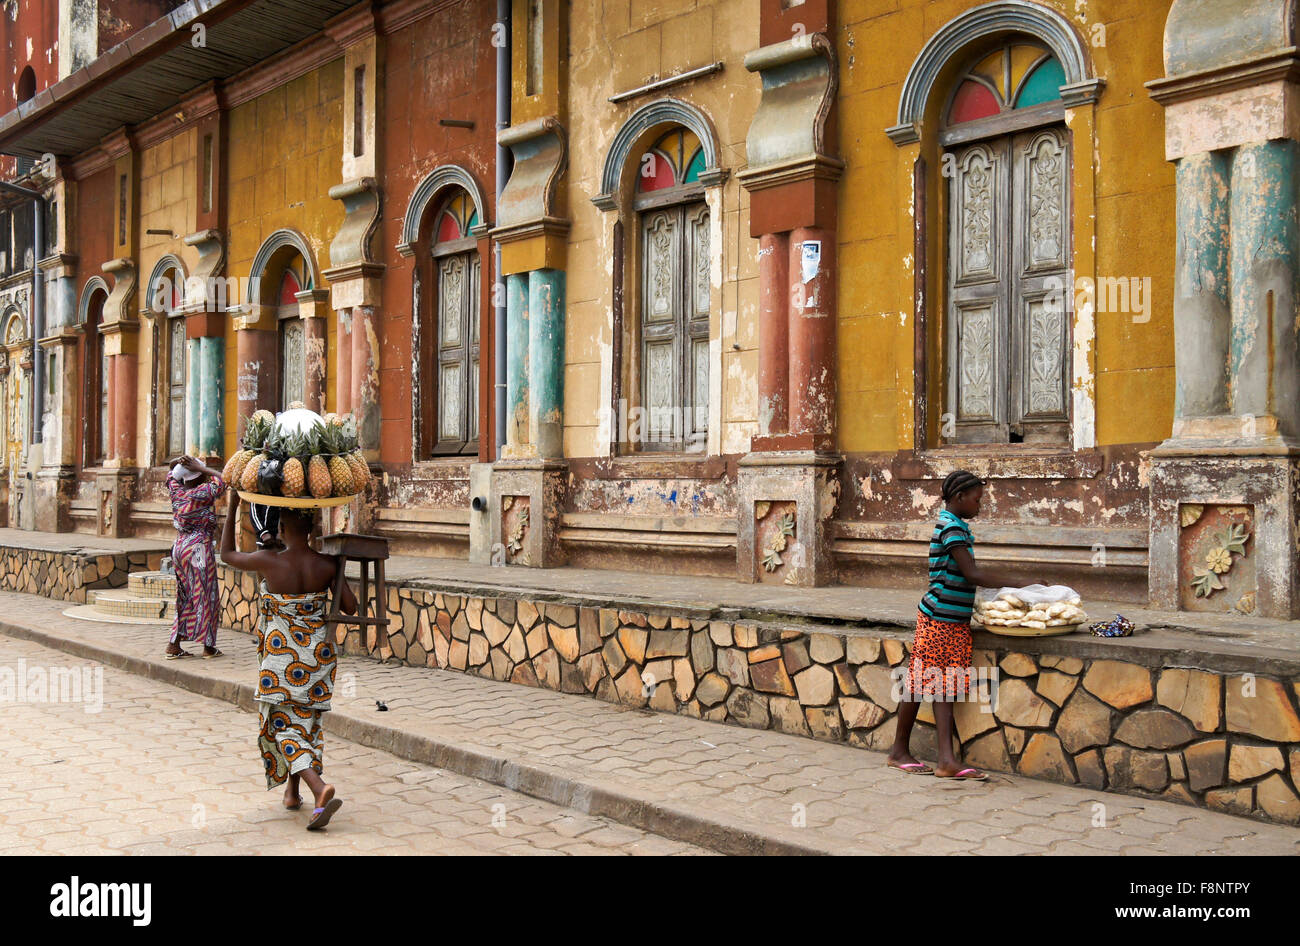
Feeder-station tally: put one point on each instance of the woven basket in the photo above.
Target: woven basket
(296, 502)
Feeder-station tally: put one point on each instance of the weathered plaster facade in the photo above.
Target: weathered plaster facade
(818, 349)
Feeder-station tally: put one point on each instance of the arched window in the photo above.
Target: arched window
(178, 369)
(97, 375)
(26, 85)
(292, 345)
(172, 371)
(1006, 160)
(672, 349)
(454, 360)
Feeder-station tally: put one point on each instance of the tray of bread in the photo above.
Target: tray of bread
(1032, 611)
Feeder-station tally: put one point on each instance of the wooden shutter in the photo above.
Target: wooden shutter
(1007, 334)
(1040, 327)
(675, 326)
(293, 361)
(457, 347)
(175, 386)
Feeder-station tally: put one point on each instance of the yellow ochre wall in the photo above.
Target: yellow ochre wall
(284, 153)
(1131, 194)
(615, 47)
(166, 203)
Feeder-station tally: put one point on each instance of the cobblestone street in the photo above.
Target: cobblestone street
(719, 786)
(163, 771)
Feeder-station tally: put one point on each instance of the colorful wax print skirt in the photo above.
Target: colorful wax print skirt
(295, 682)
(939, 668)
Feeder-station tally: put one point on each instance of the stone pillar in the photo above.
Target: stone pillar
(787, 486)
(313, 309)
(365, 378)
(1262, 366)
(812, 335)
(193, 398)
(773, 334)
(343, 363)
(56, 480)
(256, 352)
(123, 402)
(1203, 282)
(212, 395)
(1223, 519)
(517, 344)
(546, 361)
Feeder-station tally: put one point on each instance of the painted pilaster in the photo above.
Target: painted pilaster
(365, 378)
(1202, 308)
(1224, 482)
(517, 345)
(787, 486)
(211, 400)
(193, 395)
(546, 362)
(1262, 362)
(773, 334)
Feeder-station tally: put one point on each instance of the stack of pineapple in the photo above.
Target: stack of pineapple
(322, 461)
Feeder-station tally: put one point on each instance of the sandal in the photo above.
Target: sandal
(183, 653)
(912, 768)
(215, 653)
(966, 775)
(320, 817)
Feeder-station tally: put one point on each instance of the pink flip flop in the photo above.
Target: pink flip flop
(966, 775)
(912, 768)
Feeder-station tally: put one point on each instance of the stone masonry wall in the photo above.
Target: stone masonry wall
(68, 575)
(1203, 738)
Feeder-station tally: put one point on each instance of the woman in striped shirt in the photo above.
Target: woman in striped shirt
(939, 667)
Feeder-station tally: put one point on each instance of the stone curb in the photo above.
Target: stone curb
(538, 781)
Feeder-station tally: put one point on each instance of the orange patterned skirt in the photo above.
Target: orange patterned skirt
(939, 668)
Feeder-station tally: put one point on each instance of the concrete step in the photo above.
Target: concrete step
(152, 584)
(125, 604)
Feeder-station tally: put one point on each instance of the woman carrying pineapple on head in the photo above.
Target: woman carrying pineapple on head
(296, 654)
(288, 456)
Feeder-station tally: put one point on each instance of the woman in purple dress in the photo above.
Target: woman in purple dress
(194, 489)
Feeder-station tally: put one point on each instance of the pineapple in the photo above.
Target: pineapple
(248, 477)
(255, 437)
(340, 471)
(360, 471)
(235, 466)
(318, 477)
(319, 481)
(294, 479)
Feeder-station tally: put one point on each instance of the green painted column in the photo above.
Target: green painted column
(1262, 367)
(1202, 313)
(212, 433)
(546, 361)
(517, 345)
(193, 395)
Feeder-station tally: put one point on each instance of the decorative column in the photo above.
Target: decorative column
(787, 486)
(527, 483)
(517, 344)
(1223, 527)
(55, 481)
(314, 310)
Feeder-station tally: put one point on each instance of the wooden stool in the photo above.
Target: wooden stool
(365, 550)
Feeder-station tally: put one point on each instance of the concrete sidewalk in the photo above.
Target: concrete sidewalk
(723, 787)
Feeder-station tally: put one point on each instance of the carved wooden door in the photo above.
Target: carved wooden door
(1008, 332)
(675, 305)
(458, 351)
(176, 376)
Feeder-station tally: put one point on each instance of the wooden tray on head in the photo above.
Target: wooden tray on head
(296, 502)
(1019, 631)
